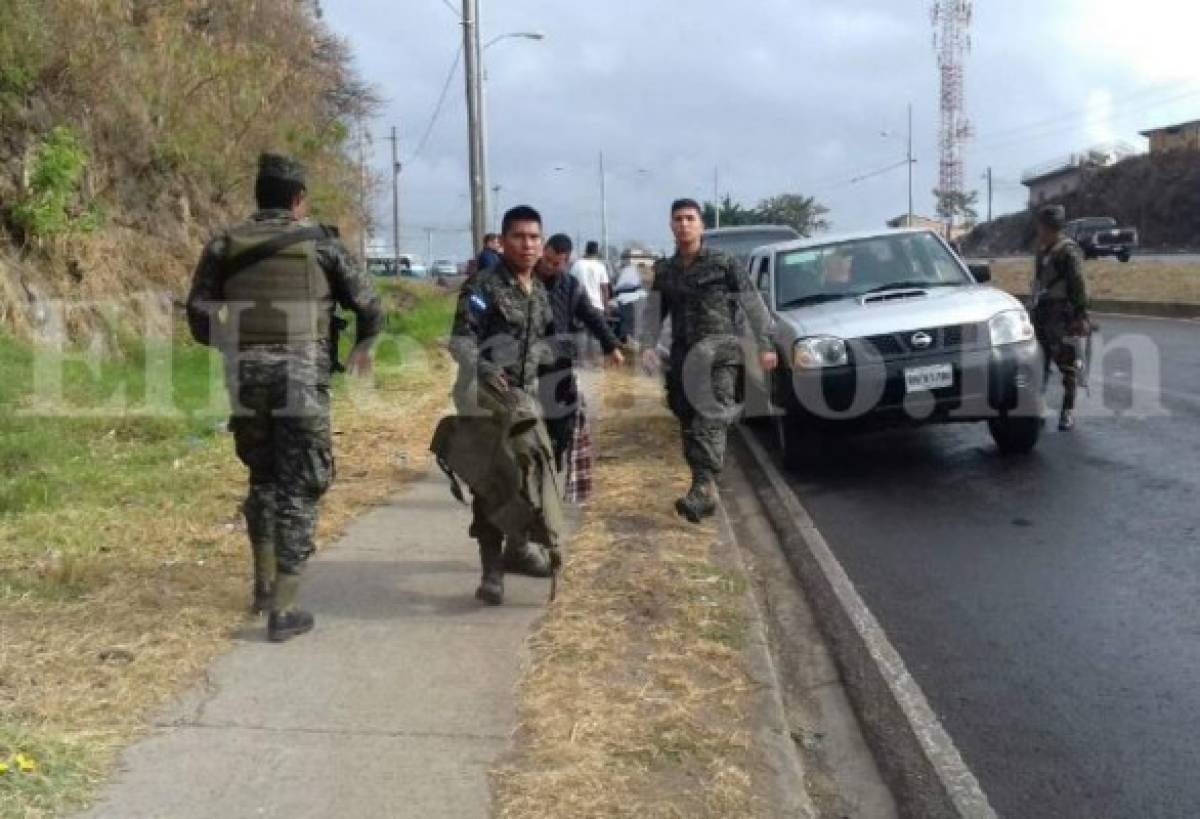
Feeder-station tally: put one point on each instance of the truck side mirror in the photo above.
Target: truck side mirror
(981, 272)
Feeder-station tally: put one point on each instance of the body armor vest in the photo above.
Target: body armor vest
(284, 299)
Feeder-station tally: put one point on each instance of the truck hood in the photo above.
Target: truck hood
(917, 310)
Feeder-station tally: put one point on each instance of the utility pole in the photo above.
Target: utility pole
(989, 181)
(603, 207)
(495, 203)
(429, 245)
(717, 195)
(362, 191)
(910, 166)
(470, 24)
(395, 140)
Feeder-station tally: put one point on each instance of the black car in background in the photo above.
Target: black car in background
(1100, 236)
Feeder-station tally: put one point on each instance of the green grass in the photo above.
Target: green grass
(63, 772)
(65, 444)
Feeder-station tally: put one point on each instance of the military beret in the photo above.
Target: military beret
(1053, 216)
(277, 166)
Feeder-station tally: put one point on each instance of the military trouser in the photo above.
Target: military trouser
(559, 397)
(704, 417)
(1052, 323)
(288, 448)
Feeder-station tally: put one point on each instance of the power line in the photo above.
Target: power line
(437, 110)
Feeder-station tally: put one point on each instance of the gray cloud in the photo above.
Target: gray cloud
(780, 96)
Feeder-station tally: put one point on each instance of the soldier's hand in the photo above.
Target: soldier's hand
(616, 359)
(650, 362)
(769, 361)
(361, 364)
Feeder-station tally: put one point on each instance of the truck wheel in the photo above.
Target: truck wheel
(1015, 435)
(1124, 256)
(802, 446)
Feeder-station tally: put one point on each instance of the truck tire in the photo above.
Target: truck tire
(1016, 434)
(1124, 256)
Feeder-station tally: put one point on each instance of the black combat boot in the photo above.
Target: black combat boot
(525, 558)
(285, 620)
(700, 502)
(491, 585)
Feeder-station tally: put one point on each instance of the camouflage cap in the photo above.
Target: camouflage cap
(278, 166)
(1053, 216)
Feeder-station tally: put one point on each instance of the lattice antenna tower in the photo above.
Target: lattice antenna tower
(952, 42)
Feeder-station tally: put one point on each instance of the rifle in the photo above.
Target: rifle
(337, 324)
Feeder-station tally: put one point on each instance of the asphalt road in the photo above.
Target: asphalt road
(1049, 606)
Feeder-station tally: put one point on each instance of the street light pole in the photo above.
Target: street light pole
(603, 207)
(717, 195)
(395, 140)
(910, 166)
(483, 118)
(470, 24)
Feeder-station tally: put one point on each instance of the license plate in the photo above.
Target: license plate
(923, 379)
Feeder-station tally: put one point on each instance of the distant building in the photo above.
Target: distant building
(903, 221)
(1053, 180)
(1182, 137)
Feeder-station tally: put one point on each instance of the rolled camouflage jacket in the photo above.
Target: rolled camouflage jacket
(709, 300)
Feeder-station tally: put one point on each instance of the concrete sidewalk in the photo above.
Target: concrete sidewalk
(395, 706)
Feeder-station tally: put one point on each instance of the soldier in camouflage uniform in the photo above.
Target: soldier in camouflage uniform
(1060, 304)
(500, 339)
(263, 294)
(708, 297)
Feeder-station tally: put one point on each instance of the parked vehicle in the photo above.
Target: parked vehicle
(890, 328)
(1100, 236)
(740, 242)
(410, 266)
(443, 267)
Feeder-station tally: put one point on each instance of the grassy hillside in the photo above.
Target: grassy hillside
(1160, 196)
(129, 129)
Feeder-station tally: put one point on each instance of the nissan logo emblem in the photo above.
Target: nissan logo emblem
(921, 340)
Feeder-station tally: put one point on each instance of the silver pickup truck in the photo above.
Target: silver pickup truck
(888, 328)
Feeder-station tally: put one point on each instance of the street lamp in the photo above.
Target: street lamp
(910, 162)
(483, 137)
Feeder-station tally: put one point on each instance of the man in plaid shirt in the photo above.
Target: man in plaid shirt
(573, 311)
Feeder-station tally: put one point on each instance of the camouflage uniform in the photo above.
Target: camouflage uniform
(279, 392)
(1060, 304)
(501, 336)
(708, 303)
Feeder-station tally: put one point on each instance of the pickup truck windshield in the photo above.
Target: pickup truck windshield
(851, 269)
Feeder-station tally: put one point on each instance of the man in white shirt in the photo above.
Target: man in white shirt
(628, 292)
(592, 273)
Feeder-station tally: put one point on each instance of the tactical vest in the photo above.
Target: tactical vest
(284, 299)
(1052, 287)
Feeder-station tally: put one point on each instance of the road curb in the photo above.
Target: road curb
(916, 755)
(774, 737)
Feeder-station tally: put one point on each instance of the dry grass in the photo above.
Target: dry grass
(1136, 281)
(635, 702)
(151, 593)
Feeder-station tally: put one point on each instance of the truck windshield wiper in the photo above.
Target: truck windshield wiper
(815, 298)
(909, 285)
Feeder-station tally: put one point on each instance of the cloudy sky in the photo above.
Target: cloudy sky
(777, 96)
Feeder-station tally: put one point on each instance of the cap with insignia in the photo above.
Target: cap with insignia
(278, 166)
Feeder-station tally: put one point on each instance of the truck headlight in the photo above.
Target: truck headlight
(819, 352)
(1010, 327)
